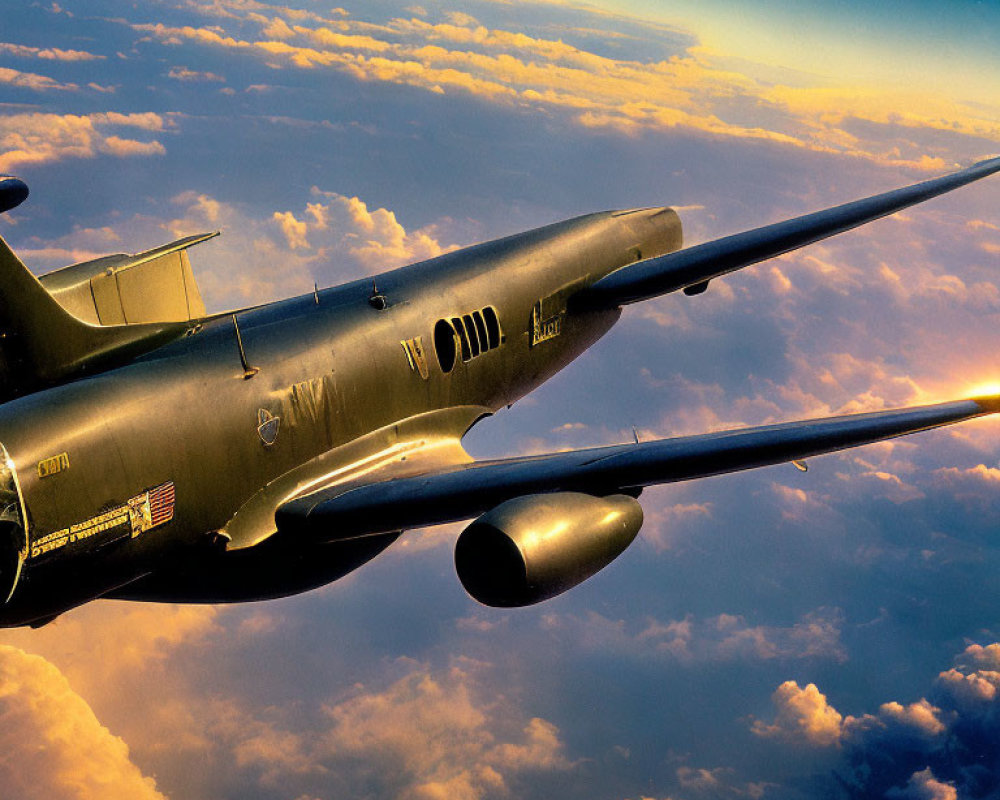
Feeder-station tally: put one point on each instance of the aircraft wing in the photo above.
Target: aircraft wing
(691, 268)
(466, 491)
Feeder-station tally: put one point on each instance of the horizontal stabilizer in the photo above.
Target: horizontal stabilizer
(466, 491)
(695, 266)
(44, 344)
(153, 286)
(13, 192)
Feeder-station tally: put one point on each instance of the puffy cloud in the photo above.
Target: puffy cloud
(53, 744)
(923, 786)
(331, 240)
(294, 231)
(987, 657)
(138, 634)
(921, 716)
(803, 716)
(44, 138)
(382, 242)
(978, 687)
(428, 736)
(947, 748)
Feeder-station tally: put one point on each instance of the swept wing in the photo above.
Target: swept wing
(691, 268)
(466, 491)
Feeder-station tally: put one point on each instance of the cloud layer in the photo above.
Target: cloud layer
(766, 631)
(938, 748)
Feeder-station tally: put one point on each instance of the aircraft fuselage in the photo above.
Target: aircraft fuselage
(158, 480)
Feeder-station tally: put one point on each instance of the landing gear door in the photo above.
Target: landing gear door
(13, 530)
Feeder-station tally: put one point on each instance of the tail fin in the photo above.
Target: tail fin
(43, 344)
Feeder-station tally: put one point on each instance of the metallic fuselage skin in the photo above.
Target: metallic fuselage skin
(334, 371)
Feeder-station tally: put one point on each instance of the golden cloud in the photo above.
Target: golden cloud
(43, 138)
(803, 716)
(53, 744)
(303, 241)
(117, 146)
(47, 53)
(431, 729)
(33, 81)
(693, 91)
(294, 230)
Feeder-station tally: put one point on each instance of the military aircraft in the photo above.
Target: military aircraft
(150, 451)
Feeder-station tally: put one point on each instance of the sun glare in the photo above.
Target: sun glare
(982, 389)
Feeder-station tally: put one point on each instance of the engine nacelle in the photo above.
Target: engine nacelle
(534, 547)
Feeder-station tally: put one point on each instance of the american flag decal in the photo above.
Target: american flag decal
(151, 508)
(161, 504)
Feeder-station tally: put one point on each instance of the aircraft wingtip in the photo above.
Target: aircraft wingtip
(990, 403)
(13, 192)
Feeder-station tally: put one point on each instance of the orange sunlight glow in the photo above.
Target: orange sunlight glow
(982, 389)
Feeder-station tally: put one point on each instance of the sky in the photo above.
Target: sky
(774, 634)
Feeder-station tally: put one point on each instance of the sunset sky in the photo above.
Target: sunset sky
(774, 634)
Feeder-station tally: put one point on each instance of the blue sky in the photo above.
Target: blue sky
(774, 634)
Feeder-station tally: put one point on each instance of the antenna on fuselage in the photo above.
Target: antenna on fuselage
(248, 371)
(377, 299)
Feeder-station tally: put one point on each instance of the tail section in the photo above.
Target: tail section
(43, 344)
(153, 286)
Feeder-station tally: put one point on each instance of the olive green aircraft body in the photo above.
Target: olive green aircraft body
(153, 452)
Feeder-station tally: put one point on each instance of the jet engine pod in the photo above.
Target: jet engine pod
(534, 547)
